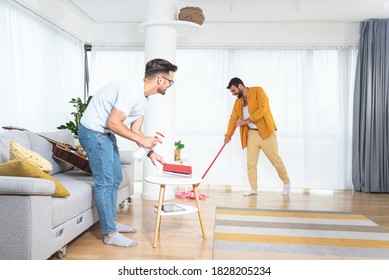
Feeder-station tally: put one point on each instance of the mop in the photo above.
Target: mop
(177, 169)
(190, 194)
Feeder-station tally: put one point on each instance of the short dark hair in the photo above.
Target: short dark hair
(235, 82)
(159, 65)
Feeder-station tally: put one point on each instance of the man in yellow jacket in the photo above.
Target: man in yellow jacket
(251, 112)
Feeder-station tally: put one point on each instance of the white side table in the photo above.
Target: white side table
(162, 180)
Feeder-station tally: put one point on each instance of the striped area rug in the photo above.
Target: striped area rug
(289, 234)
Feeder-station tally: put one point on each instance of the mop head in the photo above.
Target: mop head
(190, 194)
(177, 169)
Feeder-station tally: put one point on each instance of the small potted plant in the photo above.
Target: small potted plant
(177, 151)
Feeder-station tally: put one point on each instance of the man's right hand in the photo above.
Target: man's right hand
(149, 142)
(226, 140)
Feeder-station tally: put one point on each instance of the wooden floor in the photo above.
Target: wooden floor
(180, 236)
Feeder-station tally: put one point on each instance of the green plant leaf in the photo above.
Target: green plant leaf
(179, 145)
(77, 114)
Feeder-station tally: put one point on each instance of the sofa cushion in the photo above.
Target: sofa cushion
(26, 186)
(45, 148)
(18, 152)
(6, 137)
(21, 168)
(126, 157)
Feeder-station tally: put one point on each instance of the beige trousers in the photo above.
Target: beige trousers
(270, 147)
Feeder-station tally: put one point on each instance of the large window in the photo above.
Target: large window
(310, 95)
(41, 69)
(309, 91)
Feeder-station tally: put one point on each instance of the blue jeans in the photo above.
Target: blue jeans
(104, 160)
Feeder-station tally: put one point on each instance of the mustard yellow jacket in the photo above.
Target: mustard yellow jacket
(260, 115)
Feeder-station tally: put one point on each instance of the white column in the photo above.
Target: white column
(160, 42)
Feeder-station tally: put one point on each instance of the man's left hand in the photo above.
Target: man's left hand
(242, 122)
(154, 157)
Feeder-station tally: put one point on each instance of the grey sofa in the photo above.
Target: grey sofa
(35, 225)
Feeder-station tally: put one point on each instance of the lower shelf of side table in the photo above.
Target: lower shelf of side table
(188, 210)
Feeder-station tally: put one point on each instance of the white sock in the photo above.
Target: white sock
(119, 240)
(286, 189)
(250, 192)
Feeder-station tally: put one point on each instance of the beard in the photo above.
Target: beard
(239, 94)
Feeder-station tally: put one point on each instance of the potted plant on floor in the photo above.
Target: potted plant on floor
(178, 147)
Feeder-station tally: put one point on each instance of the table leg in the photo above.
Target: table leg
(196, 194)
(159, 210)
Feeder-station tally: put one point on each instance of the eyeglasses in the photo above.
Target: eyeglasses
(171, 82)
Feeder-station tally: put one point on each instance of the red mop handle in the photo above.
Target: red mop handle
(229, 136)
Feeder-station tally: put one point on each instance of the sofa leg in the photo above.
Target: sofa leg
(62, 252)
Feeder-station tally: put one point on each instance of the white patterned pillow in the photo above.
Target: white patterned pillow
(18, 152)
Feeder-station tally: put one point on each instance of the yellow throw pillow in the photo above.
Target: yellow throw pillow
(18, 152)
(23, 168)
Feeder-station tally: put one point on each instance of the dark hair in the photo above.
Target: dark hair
(235, 82)
(159, 65)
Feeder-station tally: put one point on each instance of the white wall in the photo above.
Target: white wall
(61, 15)
(269, 33)
(277, 33)
(263, 33)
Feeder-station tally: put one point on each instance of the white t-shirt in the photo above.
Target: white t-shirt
(126, 96)
(246, 115)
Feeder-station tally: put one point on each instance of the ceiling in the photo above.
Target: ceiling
(219, 11)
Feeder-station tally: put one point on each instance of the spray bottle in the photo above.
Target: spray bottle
(141, 153)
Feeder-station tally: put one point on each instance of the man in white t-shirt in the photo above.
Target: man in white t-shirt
(118, 109)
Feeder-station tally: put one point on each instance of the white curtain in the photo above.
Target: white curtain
(110, 63)
(41, 69)
(310, 91)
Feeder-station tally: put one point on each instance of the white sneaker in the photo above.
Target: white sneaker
(250, 192)
(286, 189)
